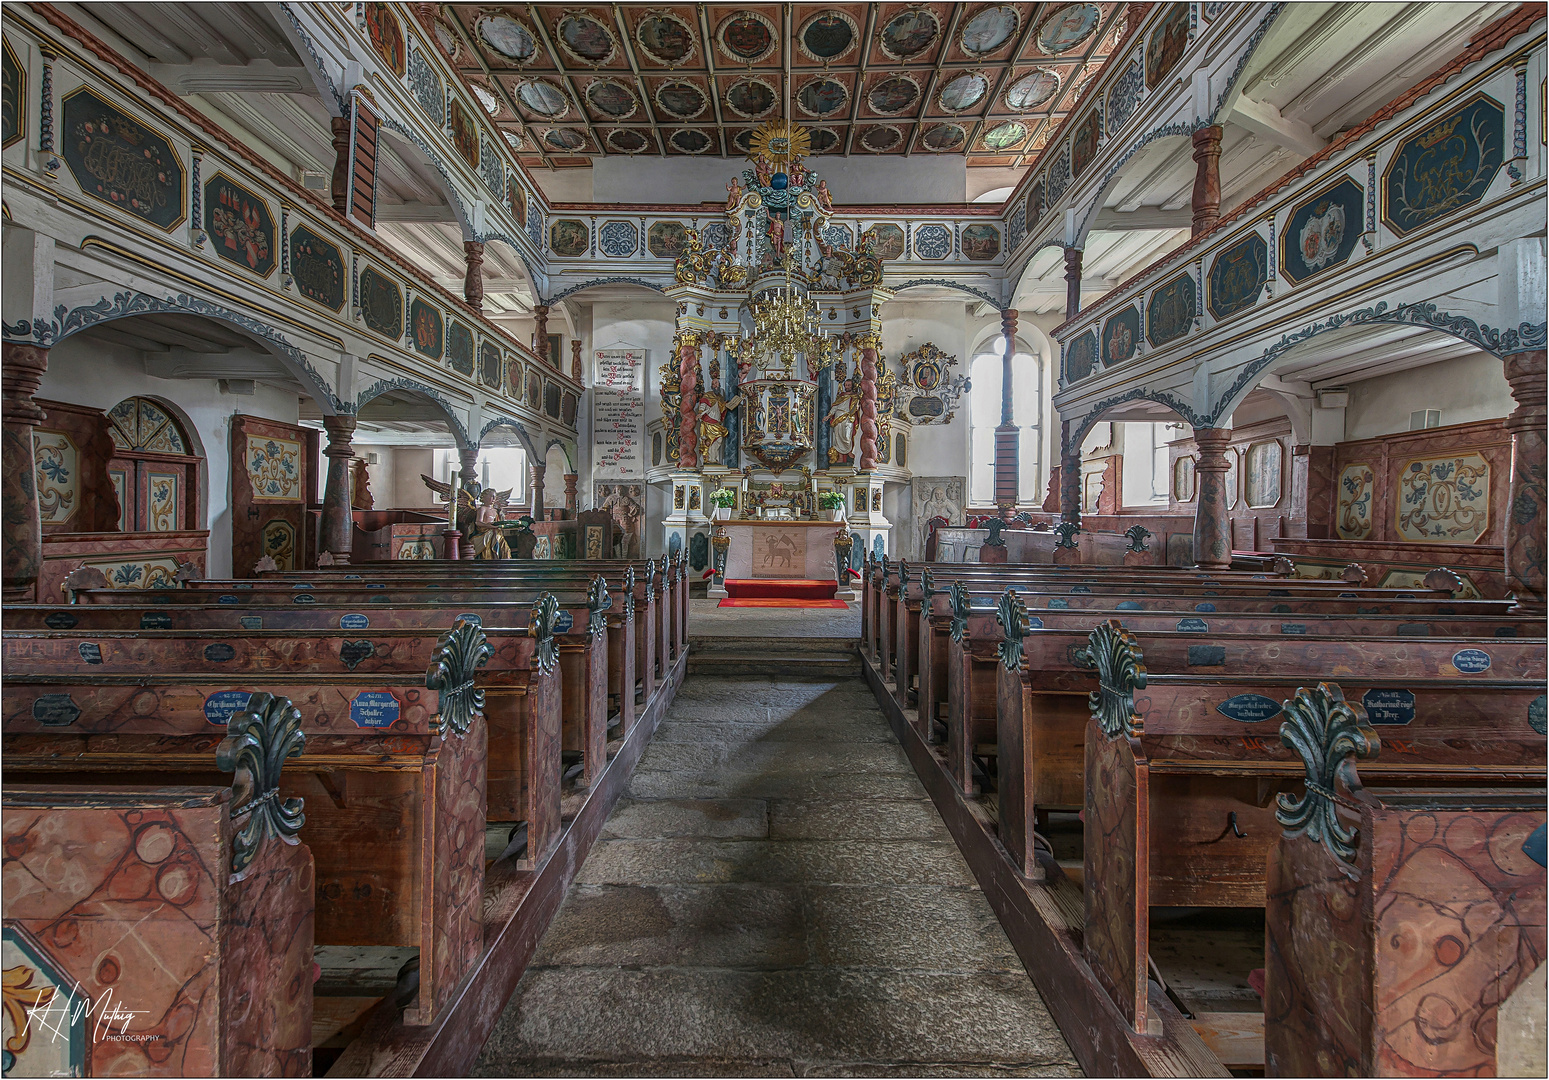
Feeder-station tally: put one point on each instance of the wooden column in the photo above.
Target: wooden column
(340, 184)
(1007, 441)
(473, 281)
(535, 472)
(575, 359)
(469, 457)
(1072, 282)
(540, 333)
(336, 523)
(1207, 179)
(866, 457)
(1526, 512)
(1070, 476)
(1212, 528)
(570, 492)
(688, 402)
(22, 554)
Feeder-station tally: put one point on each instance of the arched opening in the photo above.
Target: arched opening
(155, 471)
(1028, 407)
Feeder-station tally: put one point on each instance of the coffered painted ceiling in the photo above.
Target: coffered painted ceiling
(566, 84)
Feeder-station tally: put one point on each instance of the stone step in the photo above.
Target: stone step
(822, 658)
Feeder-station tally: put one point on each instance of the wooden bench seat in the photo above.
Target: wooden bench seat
(189, 906)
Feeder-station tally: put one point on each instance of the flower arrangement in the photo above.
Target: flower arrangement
(830, 500)
(725, 498)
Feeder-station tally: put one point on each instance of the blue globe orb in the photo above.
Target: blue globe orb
(779, 181)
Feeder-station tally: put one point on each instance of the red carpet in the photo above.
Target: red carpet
(780, 589)
(781, 602)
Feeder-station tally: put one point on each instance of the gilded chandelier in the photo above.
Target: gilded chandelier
(787, 324)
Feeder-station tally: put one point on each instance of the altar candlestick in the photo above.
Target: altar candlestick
(451, 516)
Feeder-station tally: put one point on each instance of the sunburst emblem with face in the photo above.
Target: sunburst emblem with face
(779, 142)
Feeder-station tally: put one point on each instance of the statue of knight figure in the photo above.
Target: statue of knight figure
(712, 409)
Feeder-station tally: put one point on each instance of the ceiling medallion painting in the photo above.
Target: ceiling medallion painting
(1030, 91)
(746, 37)
(827, 36)
(882, 138)
(1067, 28)
(893, 95)
(824, 139)
(505, 35)
(751, 98)
(666, 38)
(681, 100)
(909, 33)
(627, 141)
(446, 37)
(515, 141)
(963, 92)
(585, 38)
(989, 30)
(567, 139)
(945, 138)
(742, 142)
(822, 96)
(691, 140)
(612, 98)
(1005, 135)
(486, 97)
(543, 97)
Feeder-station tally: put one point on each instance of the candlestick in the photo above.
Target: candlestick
(457, 485)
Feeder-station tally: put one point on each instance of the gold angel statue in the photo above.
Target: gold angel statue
(479, 513)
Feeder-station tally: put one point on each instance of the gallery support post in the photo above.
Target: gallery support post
(22, 555)
(1070, 476)
(1212, 528)
(473, 279)
(1072, 282)
(337, 517)
(1525, 539)
(540, 331)
(1007, 448)
(1207, 179)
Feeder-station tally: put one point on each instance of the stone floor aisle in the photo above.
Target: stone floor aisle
(775, 896)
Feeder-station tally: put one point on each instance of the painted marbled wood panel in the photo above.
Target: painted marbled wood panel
(569, 238)
(58, 476)
(274, 467)
(889, 240)
(1121, 333)
(1443, 500)
(240, 226)
(1170, 311)
(1414, 579)
(981, 243)
(1321, 231)
(1316, 1015)
(1114, 867)
(381, 303)
(1237, 276)
(317, 267)
(1081, 357)
(1458, 922)
(1166, 43)
(490, 370)
(465, 132)
(1445, 166)
(1353, 516)
(426, 329)
(1034, 205)
(135, 573)
(666, 239)
(459, 347)
(386, 36)
(121, 161)
(1083, 144)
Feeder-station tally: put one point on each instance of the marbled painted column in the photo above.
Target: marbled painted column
(570, 491)
(340, 184)
(535, 472)
(473, 280)
(469, 458)
(1070, 476)
(866, 453)
(22, 553)
(1526, 519)
(540, 331)
(1007, 437)
(575, 359)
(688, 401)
(1072, 282)
(1212, 527)
(1207, 179)
(336, 537)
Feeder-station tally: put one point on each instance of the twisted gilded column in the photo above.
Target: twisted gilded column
(1212, 528)
(870, 344)
(688, 399)
(22, 554)
(1525, 520)
(336, 538)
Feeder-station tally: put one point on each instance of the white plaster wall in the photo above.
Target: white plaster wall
(409, 491)
(646, 323)
(567, 185)
(934, 449)
(1466, 389)
(855, 181)
(91, 372)
(382, 477)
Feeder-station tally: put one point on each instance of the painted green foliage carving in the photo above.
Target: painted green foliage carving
(460, 652)
(1325, 731)
(629, 592)
(545, 611)
(1121, 670)
(1012, 616)
(1138, 535)
(958, 592)
(1065, 533)
(258, 741)
(597, 601)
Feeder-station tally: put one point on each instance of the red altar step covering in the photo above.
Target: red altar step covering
(780, 589)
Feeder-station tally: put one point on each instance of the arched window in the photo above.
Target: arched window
(498, 467)
(154, 471)
(984, 417)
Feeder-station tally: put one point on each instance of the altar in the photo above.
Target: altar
(771, 550)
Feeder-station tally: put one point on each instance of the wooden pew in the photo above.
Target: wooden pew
(385, 759)
(1397, 920)
(1177, 765)
(189, 908)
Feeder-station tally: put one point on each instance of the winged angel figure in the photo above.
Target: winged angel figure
(479, 512)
